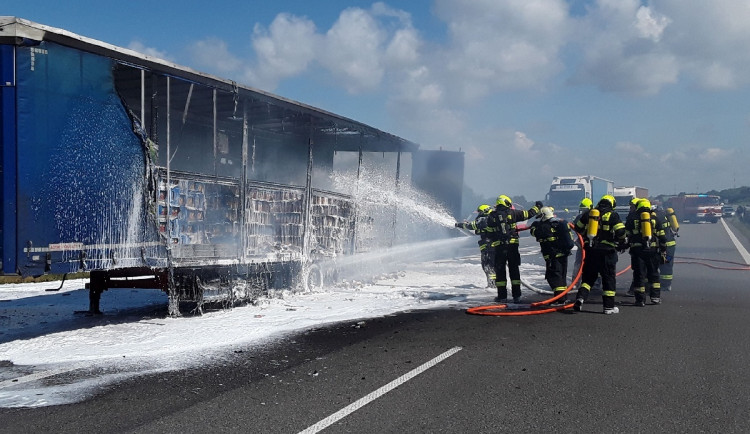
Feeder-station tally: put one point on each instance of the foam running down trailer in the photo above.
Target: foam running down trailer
(151, 175)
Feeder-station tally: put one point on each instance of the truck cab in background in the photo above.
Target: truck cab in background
(623, 196)
(566, 193)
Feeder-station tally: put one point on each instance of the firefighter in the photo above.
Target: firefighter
(584, 206)
(605, 234)
(505, 241)
(666, 262)
(647, 241)
(631, 214)
(556, 241)
(486, 251)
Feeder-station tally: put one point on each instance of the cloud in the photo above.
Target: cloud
(149, 51)
(715, 155)
(353, 50)
(710, 39)
(622, 48)
(497, 46)
(636, 49)
(283, 50)
(650, 24)
(492, 47)
(632, 149)
(403, 50)
(214, 53)
(522, 143)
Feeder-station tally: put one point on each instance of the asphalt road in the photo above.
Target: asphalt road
(682, 366)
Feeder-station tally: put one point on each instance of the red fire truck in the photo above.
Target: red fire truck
(696, 207)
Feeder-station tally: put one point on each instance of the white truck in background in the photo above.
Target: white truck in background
(566, 193)
(623, 195)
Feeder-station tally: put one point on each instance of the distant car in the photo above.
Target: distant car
(727, 211)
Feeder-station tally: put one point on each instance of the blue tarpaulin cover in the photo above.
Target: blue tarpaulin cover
(80, 166)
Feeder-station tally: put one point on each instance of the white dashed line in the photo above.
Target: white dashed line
(349, 409)
(740, 248)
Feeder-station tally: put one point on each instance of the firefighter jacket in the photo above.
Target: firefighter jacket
(548, 233)
(658, 239)
(504, 221)
(479, 226)
(611, 234)
(663, 219)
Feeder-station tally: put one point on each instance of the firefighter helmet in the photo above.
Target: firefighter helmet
(643, 203)
(504, 201)
(546, 213)
(608, 200)
(484, 209)
(585, 203)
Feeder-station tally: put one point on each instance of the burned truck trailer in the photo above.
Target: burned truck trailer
(151, 175)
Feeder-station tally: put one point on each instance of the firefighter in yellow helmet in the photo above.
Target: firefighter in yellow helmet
(486, 251)
(631, 214)
(647, 240)
(584, 206)
(505, 241)
(605, 235)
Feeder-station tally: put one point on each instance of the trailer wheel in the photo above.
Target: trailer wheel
(312, 277)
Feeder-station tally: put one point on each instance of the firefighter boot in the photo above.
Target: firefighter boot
(640, 296)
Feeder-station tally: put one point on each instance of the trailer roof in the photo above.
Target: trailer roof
(272, 113)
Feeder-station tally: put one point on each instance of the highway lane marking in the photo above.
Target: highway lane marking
(740, 248)
(349, 409)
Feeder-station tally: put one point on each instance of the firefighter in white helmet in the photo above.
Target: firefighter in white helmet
(556, 241)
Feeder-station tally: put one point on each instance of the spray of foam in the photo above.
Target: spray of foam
(368, 265)
(396, 225)
(375, 189)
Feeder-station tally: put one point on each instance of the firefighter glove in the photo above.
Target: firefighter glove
(538, 204)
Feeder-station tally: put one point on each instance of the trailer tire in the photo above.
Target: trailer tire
(312, 278)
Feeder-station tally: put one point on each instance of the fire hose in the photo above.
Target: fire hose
(538, 307)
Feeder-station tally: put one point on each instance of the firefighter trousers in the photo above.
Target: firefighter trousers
(488, 263)
(556, 272)
(599, 262)
(508, 255)
(665, 270)
(645, 270)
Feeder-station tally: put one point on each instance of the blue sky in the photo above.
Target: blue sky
(651, 93)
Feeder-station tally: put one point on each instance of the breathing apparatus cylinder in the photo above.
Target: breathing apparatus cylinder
(673, 220)
(646, 229)
(592, 227)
